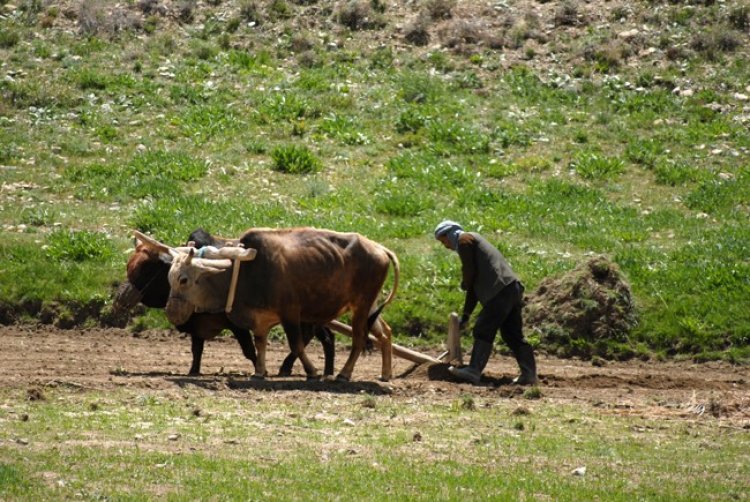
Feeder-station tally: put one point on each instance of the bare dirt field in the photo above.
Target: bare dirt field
(101, 359)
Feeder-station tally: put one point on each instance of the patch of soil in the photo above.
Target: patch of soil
(36, 358)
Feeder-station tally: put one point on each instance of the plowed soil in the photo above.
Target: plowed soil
(101, 359)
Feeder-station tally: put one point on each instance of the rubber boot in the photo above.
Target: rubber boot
(480, 355)
(527, 363)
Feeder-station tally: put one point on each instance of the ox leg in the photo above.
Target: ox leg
(261, 344)
(359, 335)
(246, 344)
(294, 334)
(381, 330)
(326, 338)
(285, 369)
(307, 331)
(196, 347)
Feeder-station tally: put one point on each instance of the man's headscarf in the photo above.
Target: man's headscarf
(450, 229)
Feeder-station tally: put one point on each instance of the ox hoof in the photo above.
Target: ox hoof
(258, 378)
(283, 373)
(194, 373)
(384, 379)
(313, 378)
(342, 378)
(328, 378)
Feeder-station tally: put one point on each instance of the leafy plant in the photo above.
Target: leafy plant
(295, 159)
(593, 166)
(401, 199)
(79, 246)
(345, 129)
(9, 38)
(91, 79)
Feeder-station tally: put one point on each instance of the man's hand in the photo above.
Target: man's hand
(463, 322)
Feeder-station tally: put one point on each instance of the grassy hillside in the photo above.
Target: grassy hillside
(559, 130)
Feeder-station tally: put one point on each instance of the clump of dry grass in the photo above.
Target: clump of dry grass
(91, 18)
(567, 14)
(94, 20)
(739, 17)
(152, 7)
(439, 9)
(301, 42)
(360, 15)
(711, 43)
(591, 303)
(460, 33)
(417, 33)
(186, 11)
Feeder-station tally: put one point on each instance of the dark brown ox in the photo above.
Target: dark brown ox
(293, 276)
(147, 283)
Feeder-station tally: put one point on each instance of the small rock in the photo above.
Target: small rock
(740, 97)
(579, 471)
(629, 34)
(173, 437)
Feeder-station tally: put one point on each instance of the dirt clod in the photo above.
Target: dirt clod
(35, 394)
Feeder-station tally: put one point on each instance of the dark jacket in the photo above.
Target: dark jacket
(485, 270)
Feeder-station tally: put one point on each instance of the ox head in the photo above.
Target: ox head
(147, 270)
(195, 281)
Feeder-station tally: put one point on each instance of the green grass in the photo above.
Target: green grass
(127, 445)
(552, 159)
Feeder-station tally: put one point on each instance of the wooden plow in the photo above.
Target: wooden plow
(451, 355)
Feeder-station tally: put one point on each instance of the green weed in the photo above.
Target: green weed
(79, 245)
(402, 199)
(153, 173)
(591, 165)
(9, 39)
(295, 159)
(345, 129)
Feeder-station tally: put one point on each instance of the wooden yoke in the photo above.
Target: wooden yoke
(246, 255)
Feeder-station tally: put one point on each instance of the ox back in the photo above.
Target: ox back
(308, 275)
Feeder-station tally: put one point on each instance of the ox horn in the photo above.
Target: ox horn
(238, 253)
(214, 253)
(150, 241)
(212, 264)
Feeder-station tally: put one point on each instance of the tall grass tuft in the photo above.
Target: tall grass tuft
(295, 159)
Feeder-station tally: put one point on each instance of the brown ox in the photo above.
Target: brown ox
(147, 283)
(298, 275)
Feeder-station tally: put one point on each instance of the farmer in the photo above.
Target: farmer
(488, 279)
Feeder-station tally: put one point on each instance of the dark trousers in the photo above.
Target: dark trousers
(503, 313)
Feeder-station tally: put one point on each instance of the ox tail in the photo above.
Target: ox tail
(396, 269)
